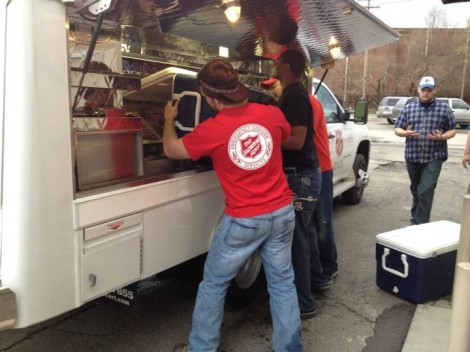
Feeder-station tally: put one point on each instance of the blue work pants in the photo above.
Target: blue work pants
(305, 187)
(236, 239)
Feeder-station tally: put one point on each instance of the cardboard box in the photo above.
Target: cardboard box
(417, 263)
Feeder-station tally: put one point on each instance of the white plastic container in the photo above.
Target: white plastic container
(417, 263)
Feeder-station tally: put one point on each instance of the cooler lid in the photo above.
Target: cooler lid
(423, 241)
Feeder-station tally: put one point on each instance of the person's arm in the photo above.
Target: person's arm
(409, 132)
(437, 135)
(296, 139)
(466, 152)
(298, 113)
(402, 127)
(172, 145)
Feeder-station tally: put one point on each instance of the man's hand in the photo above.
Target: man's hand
(435, 135)
(410, 132)
(466, 160)
(171, 110)
(172, 145)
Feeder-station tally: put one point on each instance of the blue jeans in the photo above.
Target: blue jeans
(235, 240)
(423, 179)
(305, 187)
(323, 232)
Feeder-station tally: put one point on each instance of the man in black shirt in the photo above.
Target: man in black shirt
(302, 169)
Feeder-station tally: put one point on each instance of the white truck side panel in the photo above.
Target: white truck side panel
(106, 206)
(180, 230)
(180, 215)
(37, 228)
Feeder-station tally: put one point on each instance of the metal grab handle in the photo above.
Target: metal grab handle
(197, 111)
(393, 271)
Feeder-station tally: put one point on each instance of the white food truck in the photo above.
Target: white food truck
(89, 202)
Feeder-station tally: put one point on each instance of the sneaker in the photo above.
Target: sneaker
(308, 314)
(333, 275)
(323, 287)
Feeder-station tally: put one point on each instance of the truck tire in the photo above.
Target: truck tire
(247, 283)
(353, 195)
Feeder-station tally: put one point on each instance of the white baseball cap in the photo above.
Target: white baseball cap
(427, 82)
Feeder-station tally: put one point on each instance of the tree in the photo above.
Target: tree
(436, 18)
(396, 69)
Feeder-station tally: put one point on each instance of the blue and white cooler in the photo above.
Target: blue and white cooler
(417, 263)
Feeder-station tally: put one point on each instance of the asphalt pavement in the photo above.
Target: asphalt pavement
(354, 314)
(431, 325)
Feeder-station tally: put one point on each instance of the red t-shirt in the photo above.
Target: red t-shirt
(322, 142)
(244, 144)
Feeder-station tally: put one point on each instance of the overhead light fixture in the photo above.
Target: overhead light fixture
(232, 10)
(223, 51)
(334, 47)
(346, 10)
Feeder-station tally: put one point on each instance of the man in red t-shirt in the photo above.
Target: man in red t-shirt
(327, 265)
(244, 142)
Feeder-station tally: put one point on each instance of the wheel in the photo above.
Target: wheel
(391, 121)
(247, 283)
(354, 195)
(463, 125)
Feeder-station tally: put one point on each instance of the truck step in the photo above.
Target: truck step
(343, 186)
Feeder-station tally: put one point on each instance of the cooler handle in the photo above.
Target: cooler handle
(393, 271)
(197, 111)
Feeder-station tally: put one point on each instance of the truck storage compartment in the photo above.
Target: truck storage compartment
(107, 157)
(110, 256)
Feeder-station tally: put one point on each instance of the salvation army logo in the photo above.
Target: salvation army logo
(250, 146)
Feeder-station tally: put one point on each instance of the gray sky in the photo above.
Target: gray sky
(412, 13)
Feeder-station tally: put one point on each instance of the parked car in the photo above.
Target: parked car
(460, 109)
(385, 108)
(398, 108)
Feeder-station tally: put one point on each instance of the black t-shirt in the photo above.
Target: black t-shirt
(296, 106)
